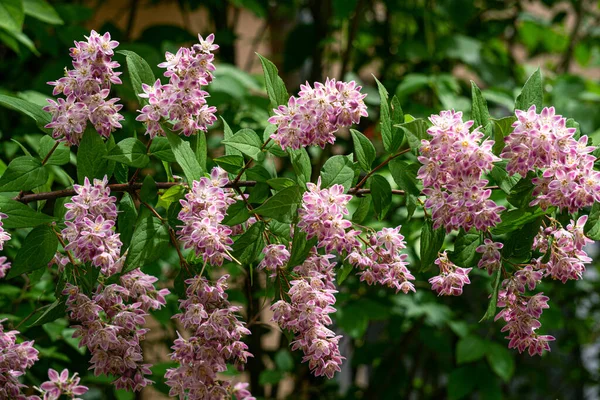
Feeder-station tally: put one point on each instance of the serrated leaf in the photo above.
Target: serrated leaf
(338, 170)
(61, 154)
(397, 117)
(149, 241)
(592, 226)
(464, 254)
(491, 309)
(185, 157)
(404, 176)
(470, 348)
(280, 183)
(362, 210)
(502, 128)
(161, 149)
(20, 215)
(479, 108)
(391, 142)
(90, 156)
(36, 252)
(431, 243)
(282, 206)
(130, 152)
(521, 194)
(249, 245)
(228, 134)
(302, 165)
(258, 173)
(231, 163)
(502, 179)
(301, 247)
(23, 173)
(237, 213)
(139, 72)
(275, 87)
(148, 192)
(516, 219)
(126, 219)
(381, 193)
(50, 312)
(532, 93)
(32, 110)
(364, 150)
(344, 272)
(415, 131)
(248, 142)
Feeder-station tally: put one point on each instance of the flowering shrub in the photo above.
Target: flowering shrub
(516, 190)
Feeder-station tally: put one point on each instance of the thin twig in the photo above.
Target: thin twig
(377, 168)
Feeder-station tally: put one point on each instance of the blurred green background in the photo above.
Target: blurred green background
(424, 51)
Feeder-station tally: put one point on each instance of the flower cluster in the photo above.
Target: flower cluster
(202, 211)
(454, 161)
(322, 215)
(544, 142)
(382, 261)
(276, 256)
(86, 87)
(451, 279)
(215, 340)
(14, 360)
(90, 221)
(4, 237)
(307, 315)
(182, 100)
(111, 323)
(521, 313)
(567, 258)
(62, 385)
(317, 113)
(490, 255)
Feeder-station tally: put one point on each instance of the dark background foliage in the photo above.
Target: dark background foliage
(424, 51)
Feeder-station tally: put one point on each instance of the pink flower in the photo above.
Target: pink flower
(15, 359)
(276, 256)
(491, 257)
(62, 385)
(4, 236)
(451, 280)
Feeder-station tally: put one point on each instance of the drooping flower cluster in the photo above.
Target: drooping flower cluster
(307, 315)
(567, 258)
(317, 113)
(4, 237)
(276, 256)
(111, 323)
(451, 279)
(383, 263)
(62, 385)
(544, 142)
(454, 162)
(322, 215)
(491, 257)
(182, 100)
(215, 340)
(90, 222)
(14, 360)
(204, 207)
(521, 313)
(87, 89)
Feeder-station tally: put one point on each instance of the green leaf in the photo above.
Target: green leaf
(284, 360)
(491, 309)
(502, 179)
(571, 123)
(185, 157)
(171, 195)
(228, 134)
(282, 206)
(415, 131)
(353, 319)
(502, 128)
(23, 173)
(344, 272)
(391, 142)
(501, 361)
(36, 251)
(130, 152)
(275, 87)
(470, 348)
(516, 219)
(41, 10)
(464, 254)
(126, 219)
(461, 383)
(301, 247)
(592, 226)
(404, 176)
(397, 117)
(237, 213)
(431, 243)
(521, 193)
(364, 149)
(90, 156)
(149, 241)
(199, 147)
(258, 173)
(270, 377)
(532, 93)
(338, 170)
(381, 193)
(362, 209)
(280, 183)
(302, 165)
(479, 108)
(161, 149)
(32, 110)
(50, 312)
(60, 156)
(248, 246)
(20, 215)
(148, 192)
(12, 15)
(247, 141)
(139, 72)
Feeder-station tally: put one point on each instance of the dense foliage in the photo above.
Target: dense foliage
(383, 248)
